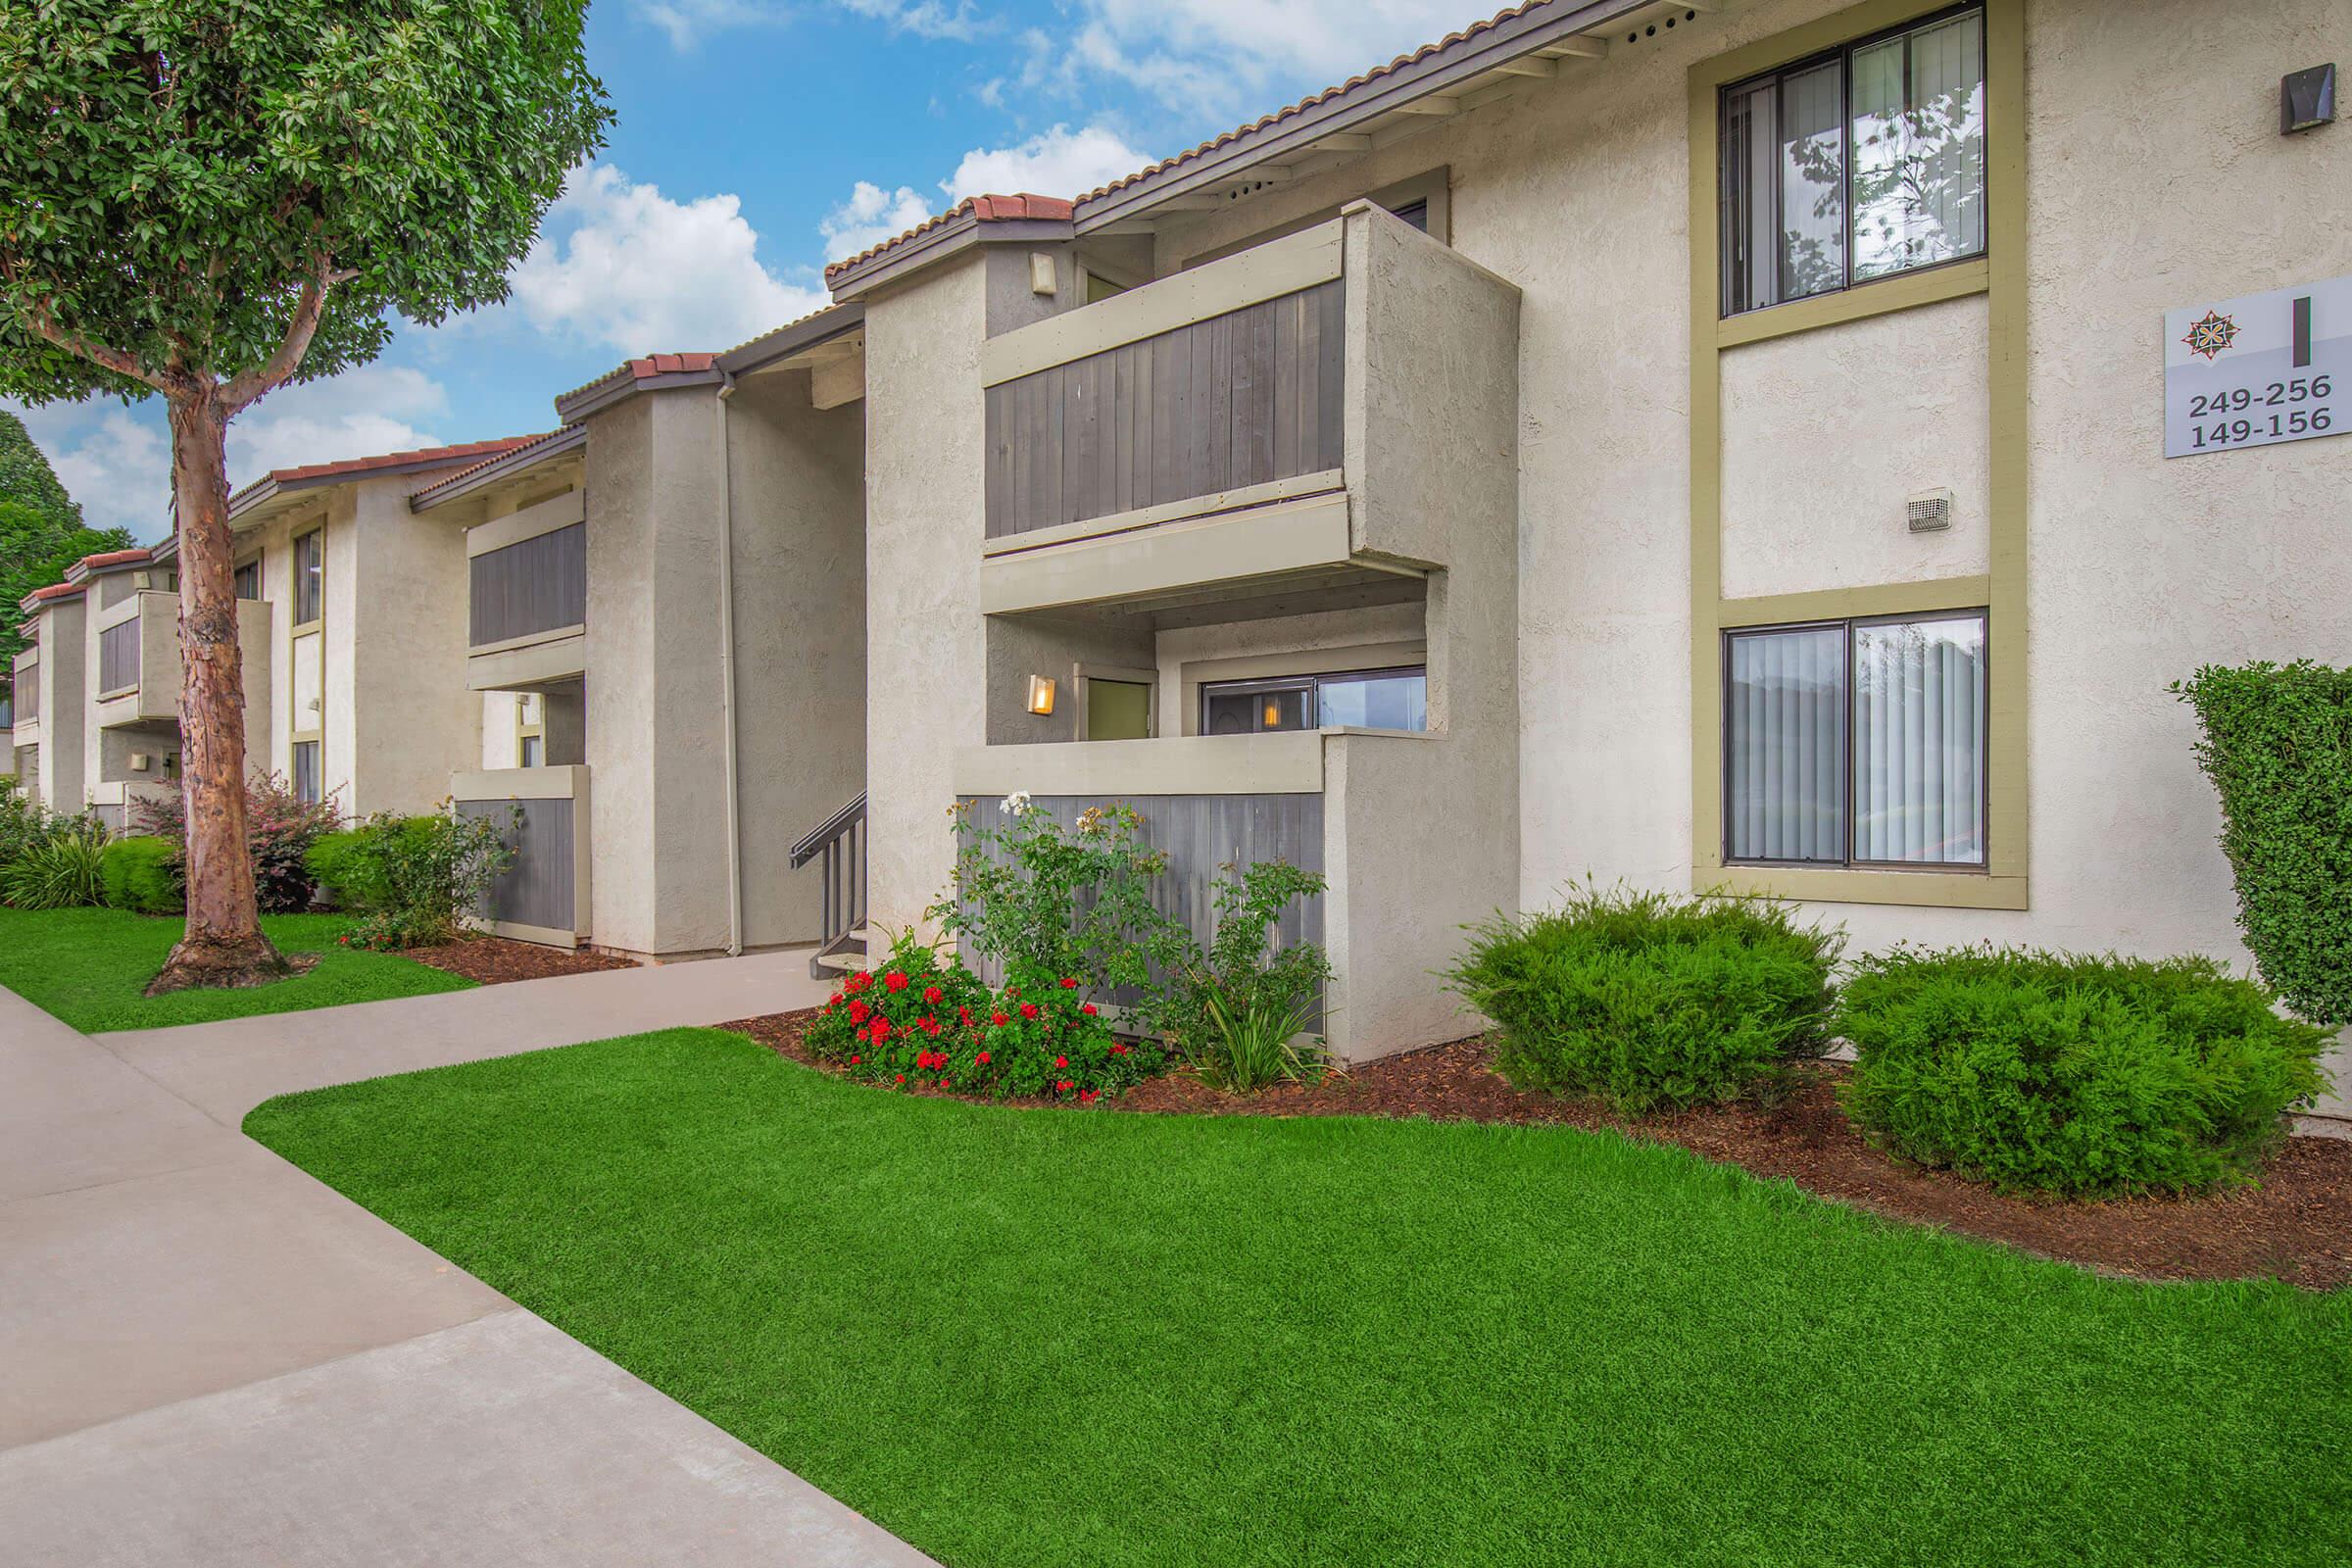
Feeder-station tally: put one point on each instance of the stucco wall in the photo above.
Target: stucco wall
(799, 636)
(65, 676)
(1825, 434)
(925, 652)
(413, 722)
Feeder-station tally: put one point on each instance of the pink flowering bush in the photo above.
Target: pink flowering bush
(280, 829)
(924, 1022)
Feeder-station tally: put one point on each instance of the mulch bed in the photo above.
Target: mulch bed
(496, 961)
(2296, 1226)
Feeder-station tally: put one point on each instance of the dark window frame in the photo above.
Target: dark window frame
(1980, 866)
(1310, 684)
(1843, 55)
(309, 582)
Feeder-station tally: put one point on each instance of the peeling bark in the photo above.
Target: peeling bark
(223, 944)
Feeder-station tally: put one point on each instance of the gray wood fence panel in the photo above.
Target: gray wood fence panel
(538, 888)
(538, 584)
(1201, 834)
(119, 656)
(1239, 399)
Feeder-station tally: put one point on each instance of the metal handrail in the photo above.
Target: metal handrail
(830, 829)
(840, 842)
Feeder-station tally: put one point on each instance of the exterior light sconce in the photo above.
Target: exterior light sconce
(1273, 715)
(1041, 696)
(2307, 99)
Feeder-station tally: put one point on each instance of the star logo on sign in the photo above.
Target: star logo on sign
(2211, 335)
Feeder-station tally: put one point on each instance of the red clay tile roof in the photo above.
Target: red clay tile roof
(420, 458)
(42, 596)
(114, 558)
(1065, 208)
(645, 369)
(496, 456)
(983, 209)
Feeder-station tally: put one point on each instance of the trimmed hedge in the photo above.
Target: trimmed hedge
(143, 875)
(2072, 1074)
(2278, 746)
(1651, 1001)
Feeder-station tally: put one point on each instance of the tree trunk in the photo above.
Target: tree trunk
(223, 944)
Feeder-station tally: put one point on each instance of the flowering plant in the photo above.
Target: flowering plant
(280, 829)
(921, 1022)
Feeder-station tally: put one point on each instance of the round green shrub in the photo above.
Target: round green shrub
(334, 862)
(143, 875)
(1651, 1001)
(2069, 1073)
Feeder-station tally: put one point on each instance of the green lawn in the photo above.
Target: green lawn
(1022, 1337)
(88, 966)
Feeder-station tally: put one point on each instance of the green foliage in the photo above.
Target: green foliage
(413, 879)
(26, 478)
(58, 869)
(173, 174)
(280, 830)
(36, 546)
(924, 1021)
(1235, 1010)
(142, 874)
(1042, 899)
(2278, 746)
(2074, 1074)
(1648, 1001)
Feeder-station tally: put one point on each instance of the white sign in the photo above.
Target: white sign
(2258, 369)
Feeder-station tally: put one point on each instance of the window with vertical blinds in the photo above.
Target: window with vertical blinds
(1856, 743)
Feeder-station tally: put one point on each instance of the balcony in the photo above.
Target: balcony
(1367, 809)
(543, 895)
(1300, 419)
(140, 670)
(528, 596)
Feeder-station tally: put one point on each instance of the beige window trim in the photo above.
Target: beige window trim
(2000, 276)
(527, 730)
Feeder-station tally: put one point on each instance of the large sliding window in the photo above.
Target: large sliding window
(1855, 164)
(1856, 743)
(1361, 699)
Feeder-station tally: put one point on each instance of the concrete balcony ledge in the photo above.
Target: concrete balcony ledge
(1289, 763)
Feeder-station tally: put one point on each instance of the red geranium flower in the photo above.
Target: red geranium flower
(902, 1078)
(933, 993)
(1068, 984)
(857, 982)
(896, 980)
(984, 1059)
(854, 1061)
(1086, 1097)
(858, 1012)
(1117, 1050)
(879, 1029)
(1061, 1061)
(1028, 1009)
(1088, 1009)
(965, 1014)
(931, 1027)
(999, 1019)
(1066, 1086)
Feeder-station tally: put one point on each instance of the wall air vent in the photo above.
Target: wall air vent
(1929, 512)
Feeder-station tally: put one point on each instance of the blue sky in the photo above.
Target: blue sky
(758, 139)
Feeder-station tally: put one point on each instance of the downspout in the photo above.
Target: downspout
(726, 669)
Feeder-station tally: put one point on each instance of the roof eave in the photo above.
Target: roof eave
(506, 466)
(786, 341)
(595, 398)
(861, 279)
(1472, 57)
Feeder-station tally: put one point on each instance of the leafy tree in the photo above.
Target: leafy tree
(35, 553)
(205, 199)
(25, 475)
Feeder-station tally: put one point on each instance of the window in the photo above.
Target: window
(530, 730)
(310, 576)
(1856, 743)
(249, 577)
(1853, 167)
(1364, 699)
(306, 771)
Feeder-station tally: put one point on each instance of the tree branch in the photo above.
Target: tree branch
(241, 391)
(98, 354)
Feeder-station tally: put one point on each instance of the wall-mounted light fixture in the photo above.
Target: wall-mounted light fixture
(1273, 713)
(1041, 695)
(2307, 99)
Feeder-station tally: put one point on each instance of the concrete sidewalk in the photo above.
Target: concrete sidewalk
(211, 1358)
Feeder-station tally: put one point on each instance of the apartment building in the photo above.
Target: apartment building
(49, 697)
(1769, 446)
(664, 615)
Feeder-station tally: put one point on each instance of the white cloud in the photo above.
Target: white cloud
(1060, 162)
(116, 460)
(1228, 53)
(925, 19)
(870, 216)
(688, 21)
(360, 414)
(619, 263)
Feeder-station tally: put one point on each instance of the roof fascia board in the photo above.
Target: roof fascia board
(913, 255)
(1287, 138)
(604, 394)
(507, 466)
(786, 341)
